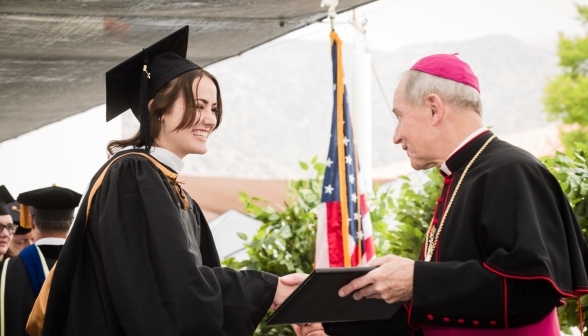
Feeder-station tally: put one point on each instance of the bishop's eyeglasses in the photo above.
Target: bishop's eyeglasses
(11, 228)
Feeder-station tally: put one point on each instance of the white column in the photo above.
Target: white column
(361, 109)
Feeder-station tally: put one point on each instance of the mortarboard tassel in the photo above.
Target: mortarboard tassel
(25, 216)
(145, 128)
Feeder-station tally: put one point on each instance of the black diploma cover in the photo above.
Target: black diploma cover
(317, 300)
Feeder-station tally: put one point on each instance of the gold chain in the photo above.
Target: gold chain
(433, 234)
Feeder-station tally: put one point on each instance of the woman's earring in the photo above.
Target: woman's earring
(159, 118)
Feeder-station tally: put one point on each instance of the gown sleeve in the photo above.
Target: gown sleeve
(466, 294)
(150, 266)
(533, 249)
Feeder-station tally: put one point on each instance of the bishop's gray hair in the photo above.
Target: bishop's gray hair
(420, 84)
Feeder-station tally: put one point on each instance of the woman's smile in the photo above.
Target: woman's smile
(201, 135)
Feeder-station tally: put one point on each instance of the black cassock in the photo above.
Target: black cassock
(509, 250)
(144, 266)
(19, 295)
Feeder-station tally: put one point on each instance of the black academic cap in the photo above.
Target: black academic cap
(14, 209)
(135, 81)
(5, 198)
(53, 203)
(21, 231)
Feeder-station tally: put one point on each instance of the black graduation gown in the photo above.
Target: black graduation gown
(19, 296)
(510, 248)
(139, 268)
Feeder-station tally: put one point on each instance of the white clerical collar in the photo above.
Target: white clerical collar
(50, 241)
(164, 156)
(474, 134)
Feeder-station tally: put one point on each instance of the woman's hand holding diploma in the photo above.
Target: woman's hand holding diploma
(286, 286)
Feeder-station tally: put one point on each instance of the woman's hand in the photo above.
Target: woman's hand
(286, 286)
(309, 329)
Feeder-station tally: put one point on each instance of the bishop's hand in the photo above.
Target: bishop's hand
(286, 285)
(392, 281)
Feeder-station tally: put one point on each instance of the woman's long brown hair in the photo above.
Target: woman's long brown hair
(162, 105)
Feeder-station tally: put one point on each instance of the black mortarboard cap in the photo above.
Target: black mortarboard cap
(21, 231)
(135, 81)
(14, 209)
(52, 203)
(5, 198)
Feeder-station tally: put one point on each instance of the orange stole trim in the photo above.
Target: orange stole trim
(100, 179)
(341, 150)
(37, 317)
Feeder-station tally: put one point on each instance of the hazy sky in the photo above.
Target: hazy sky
(393, 24)
(55, 154)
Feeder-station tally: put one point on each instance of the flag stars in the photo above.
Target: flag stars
(355, 216)
(351, 179)
(329, 162)
(345, 141)
(360, 235)
(354, 198)
(348, 159)
(329, 189)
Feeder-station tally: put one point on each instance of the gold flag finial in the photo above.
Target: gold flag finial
(54, 185)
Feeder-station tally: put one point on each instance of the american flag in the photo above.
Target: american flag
(344, 232)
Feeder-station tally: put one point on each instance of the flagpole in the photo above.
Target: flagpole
(361, 101)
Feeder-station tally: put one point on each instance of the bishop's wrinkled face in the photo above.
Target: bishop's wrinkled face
(191, 140)
(5, 236)
(414, 130)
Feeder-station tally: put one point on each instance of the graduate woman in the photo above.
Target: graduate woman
(140, 259)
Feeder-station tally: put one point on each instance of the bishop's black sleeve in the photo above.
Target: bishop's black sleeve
(150, 266)
(466, 294)
(522, 231)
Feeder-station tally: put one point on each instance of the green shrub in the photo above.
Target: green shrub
(412, 209)
(572, 174)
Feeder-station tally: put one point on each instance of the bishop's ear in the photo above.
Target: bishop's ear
(435, 107)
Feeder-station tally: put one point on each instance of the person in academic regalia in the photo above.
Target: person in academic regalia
(23, 237)
(7, 227)
(50, 212)
(504, 246)
(140, 258)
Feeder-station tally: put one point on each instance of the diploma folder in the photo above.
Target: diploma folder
(317, 300)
